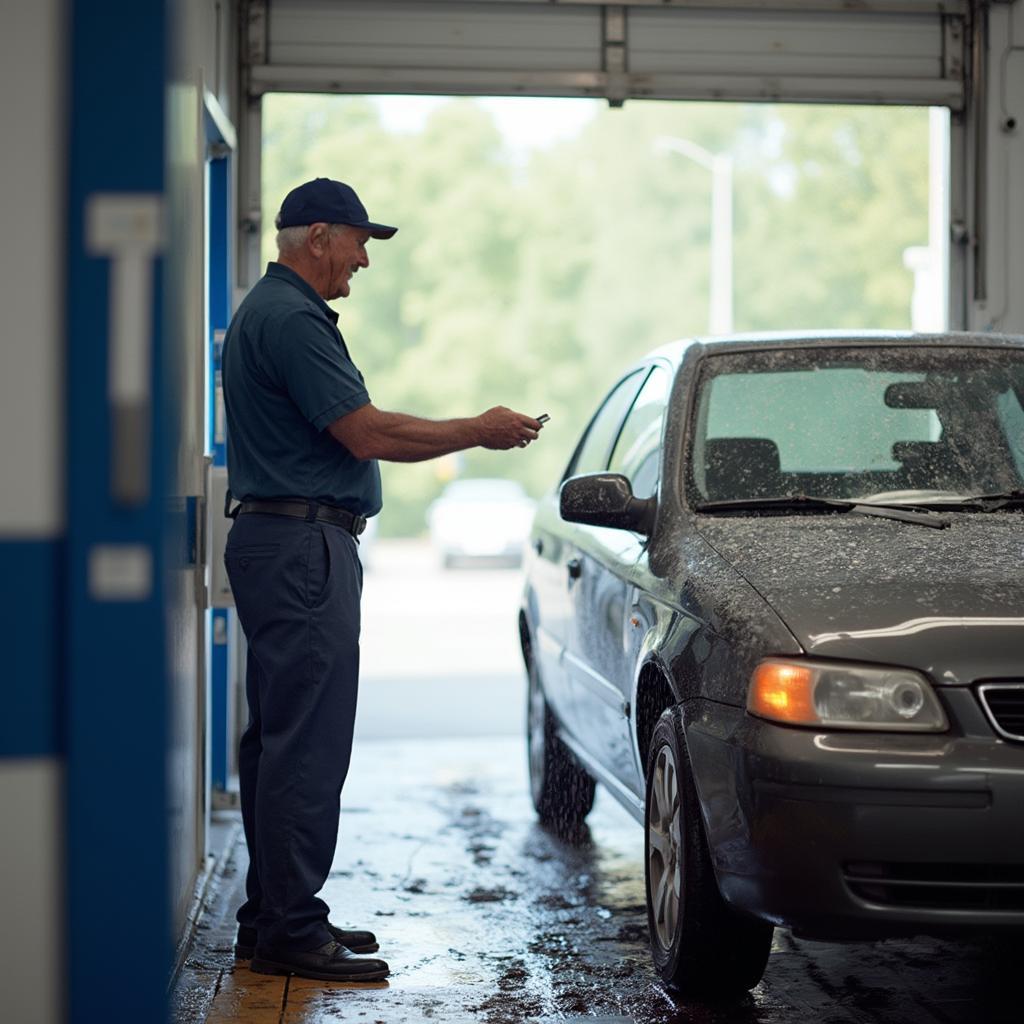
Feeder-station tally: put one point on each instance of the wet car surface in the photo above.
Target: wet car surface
(776, 609)
(486, 917)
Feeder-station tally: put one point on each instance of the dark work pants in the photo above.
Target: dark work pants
(297, 586)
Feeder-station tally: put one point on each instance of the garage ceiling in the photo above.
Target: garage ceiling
(859, 51)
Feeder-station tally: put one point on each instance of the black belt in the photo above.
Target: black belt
(308, 510)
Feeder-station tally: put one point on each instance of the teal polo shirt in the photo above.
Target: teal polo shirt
(287, 374)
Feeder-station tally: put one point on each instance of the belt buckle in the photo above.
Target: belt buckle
(358, 525)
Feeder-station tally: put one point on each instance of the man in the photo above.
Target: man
(303, 444)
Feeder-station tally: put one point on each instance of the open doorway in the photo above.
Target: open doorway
(543, 245)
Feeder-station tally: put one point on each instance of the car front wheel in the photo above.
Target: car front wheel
(699, 943)
(562, 791)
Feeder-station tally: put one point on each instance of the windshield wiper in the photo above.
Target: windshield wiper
(994, 502)
(804, 502)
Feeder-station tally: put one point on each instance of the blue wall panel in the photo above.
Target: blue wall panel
(219, 264)
(31, 613)
(116, 708)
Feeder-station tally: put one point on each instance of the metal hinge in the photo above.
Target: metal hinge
(613, 56)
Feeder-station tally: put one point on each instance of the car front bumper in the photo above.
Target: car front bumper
(861, 835)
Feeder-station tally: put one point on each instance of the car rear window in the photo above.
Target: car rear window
(857, 423)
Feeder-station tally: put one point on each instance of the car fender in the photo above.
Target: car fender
(651, 693)
(658, 682)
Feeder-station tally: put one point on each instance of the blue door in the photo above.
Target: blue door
(127, 532)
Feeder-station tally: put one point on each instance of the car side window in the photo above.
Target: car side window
(1010, 410)
(592, 452)
(638, 447)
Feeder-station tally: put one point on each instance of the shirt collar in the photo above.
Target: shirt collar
(283, 273)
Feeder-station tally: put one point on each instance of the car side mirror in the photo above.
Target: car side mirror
(605, 499)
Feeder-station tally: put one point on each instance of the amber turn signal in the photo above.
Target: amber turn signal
(783, 692)
(840, 695)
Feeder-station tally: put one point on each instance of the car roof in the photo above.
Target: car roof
(674, 351)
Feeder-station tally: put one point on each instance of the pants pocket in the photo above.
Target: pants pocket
(245, 556)
(318, 566)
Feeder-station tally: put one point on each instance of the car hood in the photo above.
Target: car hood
(949, 602)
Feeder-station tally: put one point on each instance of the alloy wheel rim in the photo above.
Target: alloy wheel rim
(664, 848)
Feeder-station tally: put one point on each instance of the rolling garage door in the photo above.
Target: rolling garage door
(865, 51)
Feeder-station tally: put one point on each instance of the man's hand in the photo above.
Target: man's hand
(501, 428)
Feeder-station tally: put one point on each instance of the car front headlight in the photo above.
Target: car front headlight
(836, 696)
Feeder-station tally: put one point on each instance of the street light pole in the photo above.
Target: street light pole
(720, 313)
(720, 167)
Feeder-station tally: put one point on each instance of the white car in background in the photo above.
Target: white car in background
(482, 519)
(368, 541)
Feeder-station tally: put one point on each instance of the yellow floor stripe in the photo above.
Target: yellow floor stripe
(244, 996)
(264, 999)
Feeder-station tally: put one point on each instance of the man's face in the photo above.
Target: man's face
(346, 253)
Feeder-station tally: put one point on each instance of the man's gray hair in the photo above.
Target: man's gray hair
(290, 239)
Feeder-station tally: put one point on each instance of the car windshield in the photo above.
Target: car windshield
(902, 424)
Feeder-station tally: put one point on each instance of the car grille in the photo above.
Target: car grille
(938, 886)
(1004, 705)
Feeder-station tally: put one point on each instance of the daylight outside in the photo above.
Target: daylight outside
(545, 244)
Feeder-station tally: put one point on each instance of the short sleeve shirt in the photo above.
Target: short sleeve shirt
(287, 374)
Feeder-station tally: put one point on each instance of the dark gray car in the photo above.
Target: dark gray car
(776, 607)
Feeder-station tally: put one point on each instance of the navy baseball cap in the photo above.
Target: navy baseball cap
(323, 201)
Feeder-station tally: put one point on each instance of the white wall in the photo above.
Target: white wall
(1002, 186)
(205, 33)
(31, 893)
(31, 278)
(31, 480)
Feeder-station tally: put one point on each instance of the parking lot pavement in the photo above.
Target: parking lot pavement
(440, 650)
(486, 918)
(421, 620)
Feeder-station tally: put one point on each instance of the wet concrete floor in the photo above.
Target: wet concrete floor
(485, 917)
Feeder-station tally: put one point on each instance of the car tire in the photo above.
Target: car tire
(700, 945)
(562, 792)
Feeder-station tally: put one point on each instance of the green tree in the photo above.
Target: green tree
(828, 217)
(535, 285)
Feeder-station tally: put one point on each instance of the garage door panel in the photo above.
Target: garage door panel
(808, 89)
(848, 44)
(424, 35)
(895, 51)
(398, 57)
(836, 68)
(424, 81)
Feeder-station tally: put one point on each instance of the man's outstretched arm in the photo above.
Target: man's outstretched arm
(371, 433)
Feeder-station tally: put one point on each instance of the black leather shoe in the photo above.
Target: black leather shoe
(330, 962)
(358, 942)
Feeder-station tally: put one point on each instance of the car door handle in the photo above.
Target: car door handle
(538, 545)
(574, 567)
